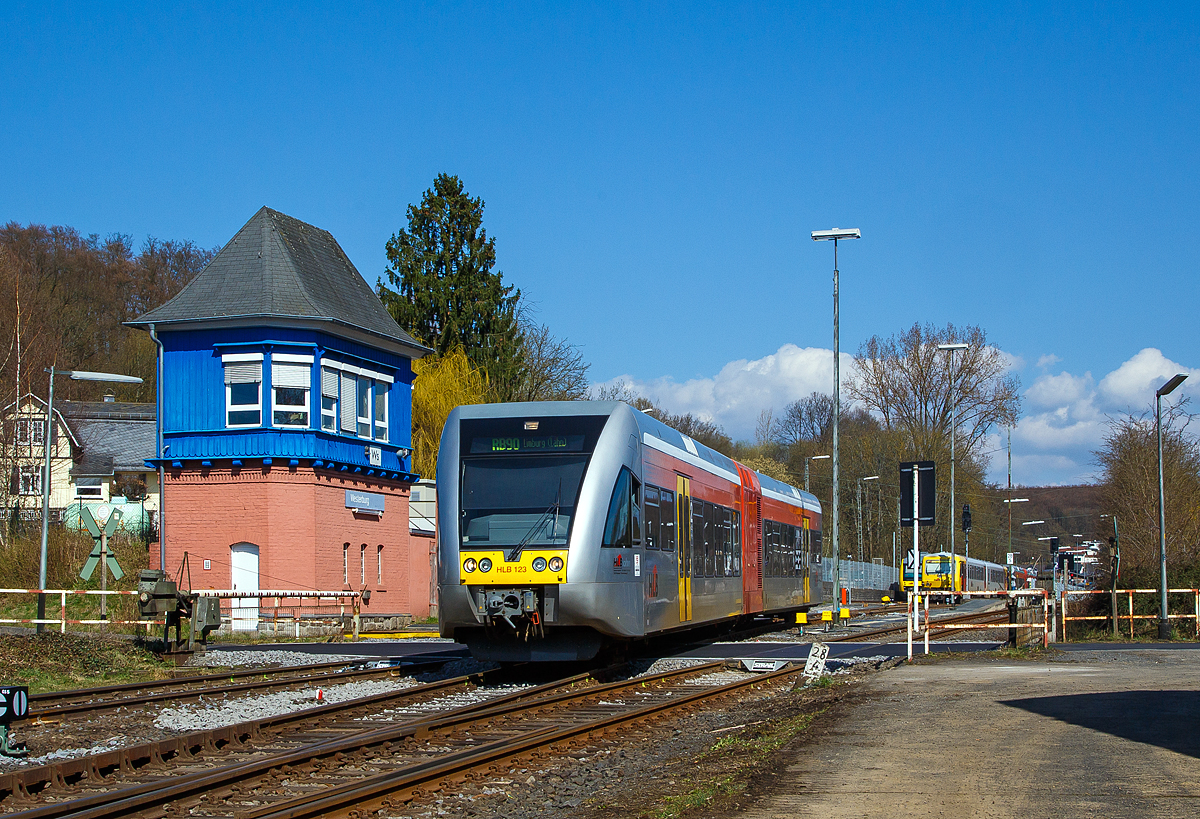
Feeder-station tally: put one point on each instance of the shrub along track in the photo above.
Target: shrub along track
(340, 769)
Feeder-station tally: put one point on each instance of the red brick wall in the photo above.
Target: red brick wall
(299, 521)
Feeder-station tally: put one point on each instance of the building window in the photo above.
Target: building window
(30, 480)
(329, 399)
(290, 384)
(243, 390)
(345, 564)
(31, 431)
(379, 565)
(89, 488)
(381, 414)
(362, 553)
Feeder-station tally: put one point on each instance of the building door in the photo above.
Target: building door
(683, 535)
(243, 562)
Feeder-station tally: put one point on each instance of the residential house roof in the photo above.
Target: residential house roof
(113, 437)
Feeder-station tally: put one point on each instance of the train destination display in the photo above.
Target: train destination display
(525, 444)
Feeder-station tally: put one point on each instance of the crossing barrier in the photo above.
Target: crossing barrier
(1131, 617)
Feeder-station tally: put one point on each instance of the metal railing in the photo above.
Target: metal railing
(859, 575)
(287, 609)
(1131, 617)
(62, 621)
(1012, 596)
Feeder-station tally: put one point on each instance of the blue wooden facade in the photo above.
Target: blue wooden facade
(194, 404)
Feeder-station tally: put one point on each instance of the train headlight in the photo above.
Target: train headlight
(469, 565)
(485, 565)
(539, 564)
(556, 564)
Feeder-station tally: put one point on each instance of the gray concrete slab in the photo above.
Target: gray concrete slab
(1099, 733)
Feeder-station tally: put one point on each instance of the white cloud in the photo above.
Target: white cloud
(1059, 390)
(1132, 385)
(735, 396)
(1048, 360)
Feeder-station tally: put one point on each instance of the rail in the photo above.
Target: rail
(1116, 618)
(1013, 596)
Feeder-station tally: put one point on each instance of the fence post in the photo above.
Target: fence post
(1196, 594)
(1131, 614)
(926, 623)
(1064, 617)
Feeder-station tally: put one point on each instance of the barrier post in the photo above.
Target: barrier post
(926, 624)
(1196, 594)
(909, 620)
(1131, 614)
(62, 614)
(1064, 617)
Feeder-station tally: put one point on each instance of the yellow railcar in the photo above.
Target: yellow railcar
(945, 576)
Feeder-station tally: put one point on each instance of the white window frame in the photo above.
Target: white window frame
(297, 360)
(330, 413)
(34, 429)
(379, 565)
(348, 373)
(29, 481)
(99, 487)
(362, 551)
(243, 358)
(345, 564)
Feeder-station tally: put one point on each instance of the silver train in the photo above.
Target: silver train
(568, 527)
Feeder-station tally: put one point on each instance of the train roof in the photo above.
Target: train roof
(677, 444)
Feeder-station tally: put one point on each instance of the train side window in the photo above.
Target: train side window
(635, 510)
(651, 513)
(666, 528)
(616, 527)
(737, 543)
(710, 542)
(697, 538)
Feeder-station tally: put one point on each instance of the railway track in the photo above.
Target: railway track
(90, 700)
(325, 768)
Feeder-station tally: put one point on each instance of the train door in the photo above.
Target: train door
(806, 551)
(752, 557)
(683, 536)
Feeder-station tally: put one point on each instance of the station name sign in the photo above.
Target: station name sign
(371, 502)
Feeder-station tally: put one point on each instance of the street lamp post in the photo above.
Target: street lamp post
(858, 499)
(952, 349)
(75, 375)
(806, 460)
(1164, 624)
(823, 236)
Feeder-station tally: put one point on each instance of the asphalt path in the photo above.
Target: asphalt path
(1100, 731)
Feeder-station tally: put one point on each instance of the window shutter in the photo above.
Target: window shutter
(349, 405)
(291, 375)
(329, 383)
(244, 372)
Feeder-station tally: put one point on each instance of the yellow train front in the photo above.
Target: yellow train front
(944, 577)
(566, 527)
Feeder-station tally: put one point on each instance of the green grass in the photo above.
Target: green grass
(737, 758)
(58, 662)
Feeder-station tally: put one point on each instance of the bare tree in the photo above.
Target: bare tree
(914, 387)
(1129, 460)
(806, 419)
(552, 369)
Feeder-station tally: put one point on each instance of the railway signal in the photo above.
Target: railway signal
(966, 518)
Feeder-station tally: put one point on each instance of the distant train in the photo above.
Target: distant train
(568, 527)
(944, 576)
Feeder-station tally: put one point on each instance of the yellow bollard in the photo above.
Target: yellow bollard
(844, 613)
(827, 616)
(802, 618)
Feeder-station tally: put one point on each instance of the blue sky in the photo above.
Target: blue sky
(652, 173)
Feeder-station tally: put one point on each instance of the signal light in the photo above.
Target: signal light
(966, 518)
(485, 565)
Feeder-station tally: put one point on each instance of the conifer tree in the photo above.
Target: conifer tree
(445, 291)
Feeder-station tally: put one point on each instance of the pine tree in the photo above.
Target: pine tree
(446, 294)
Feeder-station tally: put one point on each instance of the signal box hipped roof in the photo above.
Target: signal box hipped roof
(278, 270)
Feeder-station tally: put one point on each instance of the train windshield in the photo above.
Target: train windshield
(937, 565)
(517, 499)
